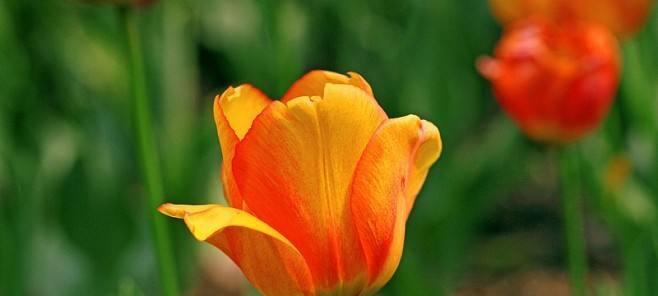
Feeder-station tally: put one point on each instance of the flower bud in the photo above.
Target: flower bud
(555, 80)
(319, 184)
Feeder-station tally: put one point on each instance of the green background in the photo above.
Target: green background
(74, 219)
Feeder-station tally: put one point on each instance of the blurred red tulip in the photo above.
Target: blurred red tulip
(623, 17)
(556, 81)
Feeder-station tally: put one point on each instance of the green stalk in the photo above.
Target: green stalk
(148, 155)
(636, 280)
(573, 220)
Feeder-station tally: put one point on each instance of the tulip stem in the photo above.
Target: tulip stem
(148, 155)
(573, 220)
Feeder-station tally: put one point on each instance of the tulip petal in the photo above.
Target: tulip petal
(294, 168)
(428, 151)
(312, 84)
(270, 262)
(234, 112)
(387, 179)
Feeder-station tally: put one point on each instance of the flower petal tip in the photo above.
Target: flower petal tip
(488, 67)
(358, 80)
(431, 145)
(171, 210)
(182, 211)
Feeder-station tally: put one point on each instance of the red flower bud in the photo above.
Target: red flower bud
(556, 81)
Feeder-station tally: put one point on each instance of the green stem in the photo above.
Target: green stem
(636, 280)
(573, 220)
(148, 155)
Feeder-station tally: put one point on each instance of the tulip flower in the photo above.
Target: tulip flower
(319, 186)
(556, 81)
(623, 17)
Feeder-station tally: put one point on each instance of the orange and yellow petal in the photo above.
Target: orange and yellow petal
(268, 260)
(387, 178)
(312, 84)
(427, 153)
(234, 112)
(294, 168)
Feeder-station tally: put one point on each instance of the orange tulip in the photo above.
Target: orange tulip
(556, 81)
(320, 185)
(623, 17)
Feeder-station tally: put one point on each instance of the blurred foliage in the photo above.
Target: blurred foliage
(72, 209)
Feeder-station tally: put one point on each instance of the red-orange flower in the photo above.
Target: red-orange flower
(623, 17)
(320, 185)
(556, 81)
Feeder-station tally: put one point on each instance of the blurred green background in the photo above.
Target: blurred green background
(74, 216)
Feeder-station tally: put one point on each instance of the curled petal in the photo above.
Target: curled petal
(313, 83)
(294, 168)
(386, 181)
(428, 151)
(266, 257)
(234, 112)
